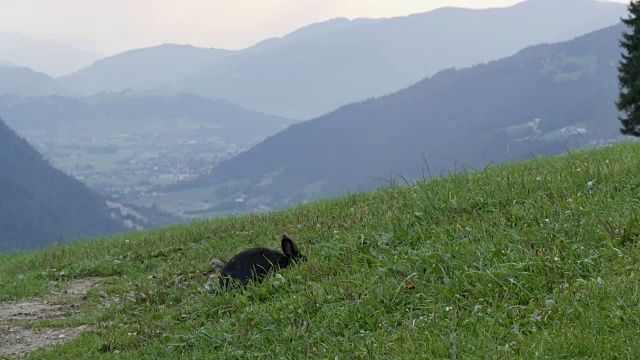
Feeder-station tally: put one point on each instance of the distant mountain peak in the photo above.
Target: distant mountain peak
(23, 81)
(558, 3)
(51, 57)
(157, 67)
(322, 66)
(315, 29)
(7, 64)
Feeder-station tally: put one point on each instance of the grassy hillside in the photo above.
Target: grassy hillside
(539, 259)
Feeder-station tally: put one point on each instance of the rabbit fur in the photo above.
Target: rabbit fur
(256, 263)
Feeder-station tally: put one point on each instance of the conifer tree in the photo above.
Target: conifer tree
(629, 73)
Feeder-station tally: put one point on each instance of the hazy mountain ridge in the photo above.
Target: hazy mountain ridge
(542, 100)
(308, 32)
(46, 56)
(323, 66)
(159, 67)
(26, 82)
(40, 205)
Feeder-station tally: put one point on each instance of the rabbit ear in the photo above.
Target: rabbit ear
(289, 248)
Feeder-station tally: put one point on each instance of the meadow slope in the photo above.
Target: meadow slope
(539, 259)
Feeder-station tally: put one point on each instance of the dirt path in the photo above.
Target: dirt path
(18, 341)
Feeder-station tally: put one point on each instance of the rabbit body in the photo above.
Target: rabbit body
(256, 263)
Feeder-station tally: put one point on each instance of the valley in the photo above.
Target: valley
(129, 167)
(128, 145)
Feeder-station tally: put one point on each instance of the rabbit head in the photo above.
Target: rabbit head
(290, 249)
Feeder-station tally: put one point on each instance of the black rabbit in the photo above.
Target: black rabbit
(256, 263)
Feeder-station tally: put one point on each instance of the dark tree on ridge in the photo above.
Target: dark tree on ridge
(629, 73)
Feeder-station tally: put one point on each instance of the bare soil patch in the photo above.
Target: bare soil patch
(33, 310)
(18, 341)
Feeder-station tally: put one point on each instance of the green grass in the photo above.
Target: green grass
(519, 261)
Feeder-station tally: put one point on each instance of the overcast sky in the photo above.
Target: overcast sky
(111, 26)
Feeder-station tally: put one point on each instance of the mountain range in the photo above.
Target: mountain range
(41, 205)
(160, 67)
(324, 66)
(26, 82)
(46, 56)
(543, 100)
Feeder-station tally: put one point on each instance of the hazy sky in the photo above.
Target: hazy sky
(110, 26)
